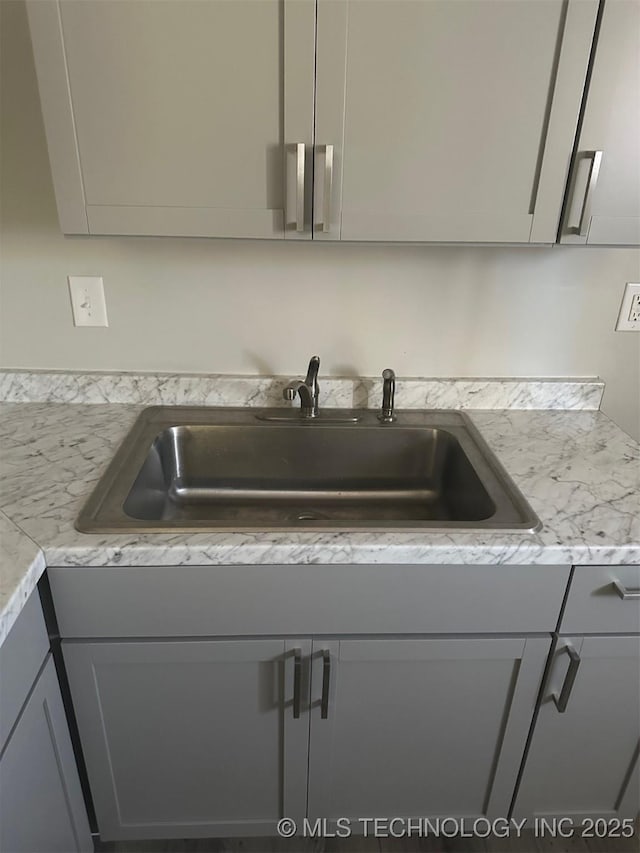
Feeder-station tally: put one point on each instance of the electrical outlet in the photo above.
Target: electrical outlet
(629, 315)
(87, 300)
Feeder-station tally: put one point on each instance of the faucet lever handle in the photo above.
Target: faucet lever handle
(308, 390)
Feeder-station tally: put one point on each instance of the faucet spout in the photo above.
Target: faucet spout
(308, 391)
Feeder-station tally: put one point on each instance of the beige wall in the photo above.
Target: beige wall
(252, 307)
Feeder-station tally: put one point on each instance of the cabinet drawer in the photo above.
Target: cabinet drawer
(603, 600)
(21, 656)
(176, 601)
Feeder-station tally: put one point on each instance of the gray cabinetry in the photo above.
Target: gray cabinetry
(193, 738)
(213, 738)
(41, 802)
(298, 600)
(448, 121)
(415, 120)
(583, 756)
(603, 205)
(295, 691)
(181, 117)
(425, 726)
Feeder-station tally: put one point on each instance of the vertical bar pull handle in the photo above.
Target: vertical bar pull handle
(594, 171)
(297, 682)
(327, 188)
(574, 663)
(326, 680)
(624, 592)
(300, 186)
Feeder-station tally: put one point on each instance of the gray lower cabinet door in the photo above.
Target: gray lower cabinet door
(41, 803)
(604, 195)
(583, 762)
(179, 117)
(447, 121)
(424, 727)
(192, 738)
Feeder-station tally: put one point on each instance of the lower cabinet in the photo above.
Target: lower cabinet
(583, 757)
(42, 805)
(420, 727)
(582, 761)
(192, 738)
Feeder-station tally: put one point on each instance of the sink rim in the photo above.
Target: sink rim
(104, 512)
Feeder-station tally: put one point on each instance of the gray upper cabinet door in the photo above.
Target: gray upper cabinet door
(603, 205)
(181, 117)
(583, 762)
(447, 121)
(192, 738)
(426, 727)
(42, 804)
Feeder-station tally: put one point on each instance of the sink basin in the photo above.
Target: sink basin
(184, 468)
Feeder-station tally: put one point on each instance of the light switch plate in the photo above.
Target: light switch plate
(87, 300)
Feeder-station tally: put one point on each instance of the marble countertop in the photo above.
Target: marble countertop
(21, 565)
(579, 472)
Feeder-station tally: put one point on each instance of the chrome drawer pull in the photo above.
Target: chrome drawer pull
(574, 663)
(326, 679)
(594, 171)
(328, 183)
(297, 678)
(300, 186)
(625, 593)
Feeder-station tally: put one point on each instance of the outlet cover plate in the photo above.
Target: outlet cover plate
(629, 315)
(87, 300)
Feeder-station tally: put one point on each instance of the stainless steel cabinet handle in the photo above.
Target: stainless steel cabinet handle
(625, 593)
(328, 185)
(326, 680)
(297, 680)
(594, 171)
(300, 186)
(574, 663)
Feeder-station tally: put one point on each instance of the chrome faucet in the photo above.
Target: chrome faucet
(387, 415)
(309, 390)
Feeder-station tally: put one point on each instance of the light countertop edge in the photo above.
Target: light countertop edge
(22, 564)
(578, 470)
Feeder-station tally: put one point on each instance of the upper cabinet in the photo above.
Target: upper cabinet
(182, 117)
(449, 121)
(603, 205)
(390, 120)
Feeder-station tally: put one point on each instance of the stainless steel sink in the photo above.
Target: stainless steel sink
(184, 468)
